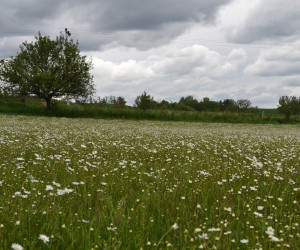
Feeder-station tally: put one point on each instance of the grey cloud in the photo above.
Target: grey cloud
(276, 62)
(9, 46)
(293, 81)
(271, 19)
(148, 15)
(139, 39)
(96, 23)
(17, 13)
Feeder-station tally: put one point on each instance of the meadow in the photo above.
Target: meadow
(119, 184)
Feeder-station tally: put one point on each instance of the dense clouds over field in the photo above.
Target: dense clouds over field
(220, 49)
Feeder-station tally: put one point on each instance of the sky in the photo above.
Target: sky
(221, 49)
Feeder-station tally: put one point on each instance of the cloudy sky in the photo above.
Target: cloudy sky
(220, 49)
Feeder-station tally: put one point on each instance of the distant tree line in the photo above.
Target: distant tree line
(189, 103)
(146, 102)
(288, 105)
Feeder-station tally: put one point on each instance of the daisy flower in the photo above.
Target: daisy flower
(273, 238)
(44, 238)
(49, 188)
(203, 236)
(270, 231)
(244, 241)
(258, 214)
(16, 246)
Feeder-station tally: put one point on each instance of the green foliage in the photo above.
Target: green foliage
(48, 68)
(289, 105)
(228, 105)
(115, 108)
(189, 101)
(208, 105)
(107, 100)
(120, 103)
(243, 105)
(144, 101)
(265, 111)
(34, 107)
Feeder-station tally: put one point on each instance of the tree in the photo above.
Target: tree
(120, 103)
(288, 105)
(11, 69)
(243, 105)
(48, 68)
(144, 101)
(228, 105)
(189, 101)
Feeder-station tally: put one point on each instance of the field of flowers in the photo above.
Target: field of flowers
(88, 184)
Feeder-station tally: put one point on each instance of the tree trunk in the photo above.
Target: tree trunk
(48, 101)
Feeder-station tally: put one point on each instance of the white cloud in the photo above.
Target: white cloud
(276, 62)
(195, 70)
(191, 60)
(130, 70)
(237, 56)
(196, 60)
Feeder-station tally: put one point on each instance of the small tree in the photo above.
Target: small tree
(120, 103)
(48, 68)
(144, 101)
(243, 105)
(288, 105)
(229, 105)
(189, 101)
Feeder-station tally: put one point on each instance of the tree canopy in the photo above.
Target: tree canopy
(48, 68)
(144, 101)
(289, 105)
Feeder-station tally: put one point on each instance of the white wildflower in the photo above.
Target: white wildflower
(16, 246)
(270, 231)
(44, 238)
(244, 241)
(49, 188)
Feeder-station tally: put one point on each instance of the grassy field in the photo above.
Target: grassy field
(112, 184)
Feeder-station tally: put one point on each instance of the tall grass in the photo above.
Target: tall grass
(112, 184)
(59, 109)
